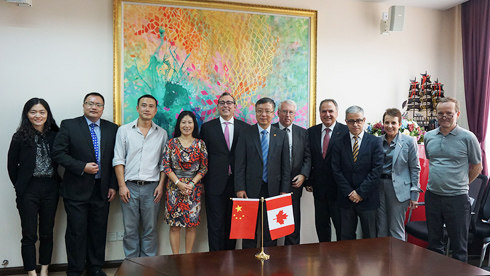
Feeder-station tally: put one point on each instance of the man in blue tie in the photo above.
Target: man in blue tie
(84, 146)
(262, 163)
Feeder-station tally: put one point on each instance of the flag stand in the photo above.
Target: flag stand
(262, 256)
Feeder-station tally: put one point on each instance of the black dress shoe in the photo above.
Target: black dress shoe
(98, 273)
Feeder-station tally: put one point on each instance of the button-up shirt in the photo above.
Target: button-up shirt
(140, 155)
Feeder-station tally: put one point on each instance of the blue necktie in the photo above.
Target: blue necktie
(94, 141)
(265, 152)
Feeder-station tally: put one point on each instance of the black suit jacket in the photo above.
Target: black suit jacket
(73, 149)
(219, 157)
(249, 164)
(321, 176)
(21, 162)
(361, 176)
(300, 157)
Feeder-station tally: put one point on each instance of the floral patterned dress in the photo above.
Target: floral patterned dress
(184, 210)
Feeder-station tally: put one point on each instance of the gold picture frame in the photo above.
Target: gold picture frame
(185, 53)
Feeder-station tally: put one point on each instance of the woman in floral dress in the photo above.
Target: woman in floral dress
(185, 161)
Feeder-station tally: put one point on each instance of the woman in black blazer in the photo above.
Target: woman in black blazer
(36, 181)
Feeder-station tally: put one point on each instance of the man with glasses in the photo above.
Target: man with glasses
(139, 171)
(300, 159)
(357, 163)
(454, 162)
(221, 136)
(262, 163)
(321, 181)
(84, 146)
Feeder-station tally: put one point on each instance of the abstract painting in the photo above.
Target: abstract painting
(186, 53)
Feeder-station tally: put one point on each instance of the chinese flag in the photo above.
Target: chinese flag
(244, 218)
(280, 215)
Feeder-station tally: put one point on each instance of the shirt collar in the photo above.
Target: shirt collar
(268, 129)
(90, 122)
(394, 141)
(134, 124)
(359, 137)
(222, 121)
(330, 127)
(281, 127)
(455, 130)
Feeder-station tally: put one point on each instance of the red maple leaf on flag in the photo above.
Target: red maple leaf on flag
(280, 217)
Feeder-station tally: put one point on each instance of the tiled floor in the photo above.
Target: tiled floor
(108, 271)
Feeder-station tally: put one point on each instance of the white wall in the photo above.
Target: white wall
(62, 49)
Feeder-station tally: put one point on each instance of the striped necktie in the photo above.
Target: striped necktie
(265, 152)
(355, 149)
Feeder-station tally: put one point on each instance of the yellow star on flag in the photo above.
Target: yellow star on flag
(238, 208)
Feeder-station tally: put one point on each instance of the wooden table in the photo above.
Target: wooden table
(380, 256)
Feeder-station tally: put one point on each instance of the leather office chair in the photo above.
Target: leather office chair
(476, 192)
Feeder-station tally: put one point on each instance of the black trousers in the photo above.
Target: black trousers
(262, 213)
(324, 210)
(218, 212)
(40, 200)
(86, 232)
(349, 222)
(454, 211)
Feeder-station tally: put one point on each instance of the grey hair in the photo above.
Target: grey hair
(353, 110)
(290, 102)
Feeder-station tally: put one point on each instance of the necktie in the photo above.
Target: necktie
(355, 149)
(265, 152)
(94, 141)
(326, 140)
(227, 139)
(227, 134)
(287, 130)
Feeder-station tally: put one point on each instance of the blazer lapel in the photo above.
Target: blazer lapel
(88, 137)
(398, 148)
(256, 136)
(272, 139)
(217, 128)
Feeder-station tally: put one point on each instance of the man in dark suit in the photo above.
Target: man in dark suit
(262, 163)
(300, 159)
(322, 138)
(221, 136)
(85, 148)
(357, 163)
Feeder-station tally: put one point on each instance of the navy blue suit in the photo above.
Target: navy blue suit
(361, 176)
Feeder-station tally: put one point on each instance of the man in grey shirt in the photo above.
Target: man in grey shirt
(137, 162)
(454, 161)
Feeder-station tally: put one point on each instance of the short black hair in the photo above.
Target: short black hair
(266, 100)
(195, 131)
(227, 94)
(147, 96)
(93, 94)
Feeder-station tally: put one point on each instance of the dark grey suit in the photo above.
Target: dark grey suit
(85, 198)
(218, 184)
(323, 182)
(249, 168)
(300, 164)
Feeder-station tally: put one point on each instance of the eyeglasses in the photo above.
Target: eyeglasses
(222, 103)
(357, 121)
(91, 104)
(448, 116)
(268, 112)
(285, 112)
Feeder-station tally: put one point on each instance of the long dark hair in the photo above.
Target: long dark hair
(26, 131)
(195, 131)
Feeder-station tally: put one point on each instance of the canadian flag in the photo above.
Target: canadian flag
(280, 215)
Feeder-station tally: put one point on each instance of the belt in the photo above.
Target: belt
(142, 182)
(386, 176)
